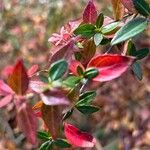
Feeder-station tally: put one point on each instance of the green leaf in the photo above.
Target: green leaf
(86, 98)
(100, 20)
(48, 145)
(86, 30)
(131, 29)
(131, 49)
(71, 81)
(80, 71)
(43, 78)
(90, 73)
(105, 41)
(142, 53)
(137, 70)
(43, 135)
(109, 28)
(87, 109)
(142, 7)
(58, 69)
(98, 37)
(68, 114)
(62, 143)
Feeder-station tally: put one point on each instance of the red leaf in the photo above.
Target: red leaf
(5, 89)
(90, 13)
(18, 80)
(54, 97)
(6, 100)
(110, 66)
(77, 137)
(26, 119)
(32, 70)
(74, 65)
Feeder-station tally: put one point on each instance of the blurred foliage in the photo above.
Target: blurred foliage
(25, 26)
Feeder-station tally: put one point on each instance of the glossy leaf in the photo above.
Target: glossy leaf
(86, 98)
(86, 30)
(58, 69)
(77, 137)
(131, 49)
(142, 7)
(71, 81)
(131, 29)
(90, 73)
(19, 80)
(98, 37)
(139, 54)
(90, 13)
(100, 20)
(110, 66)
(142, 53)
(26, 119)
(87, 109)
(118, 9)
(62, 143)
(109, 28)
(54, 97)
(43, 135)
(137, 70)
(48, 145)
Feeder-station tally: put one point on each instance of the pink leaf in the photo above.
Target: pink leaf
(54, 97)
(26, 119)
(77, 137)
(19, 80)
(37, 86)
(5, 100)
(110, 66)
(32, 70)
(64, 52)
(5, 89)
(66, 33)
(129, 5)
(90, 13)
(74, 65)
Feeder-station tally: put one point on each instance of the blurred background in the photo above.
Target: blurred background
(124, 119)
